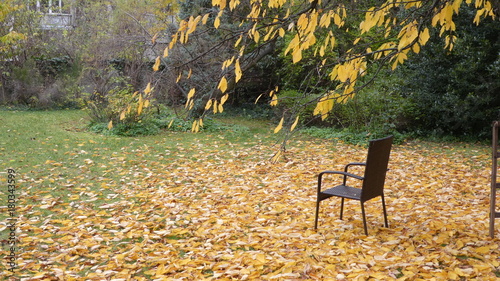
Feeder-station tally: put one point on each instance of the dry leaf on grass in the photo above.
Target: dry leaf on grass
(210, 217)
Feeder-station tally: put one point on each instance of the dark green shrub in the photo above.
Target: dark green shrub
(127, 130)
(455, 93)
(350, 136)
(376, 110)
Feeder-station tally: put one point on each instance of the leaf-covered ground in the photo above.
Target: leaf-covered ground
(211, 208)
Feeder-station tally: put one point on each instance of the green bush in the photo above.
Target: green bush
(163, 118)
(41, 83)
(297, 102)
(128, 130)
(377, 110)
(171, 122)
(455, 93)
(350, 136)
(249, 110)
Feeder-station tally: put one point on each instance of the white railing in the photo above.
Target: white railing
(50, 6)
(57, 14)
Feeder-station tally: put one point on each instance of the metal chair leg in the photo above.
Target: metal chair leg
(316, 218)
(341, 207)
(364, 217)
(385, 211)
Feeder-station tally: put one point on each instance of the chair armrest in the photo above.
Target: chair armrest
(345, 174)
(354, 164)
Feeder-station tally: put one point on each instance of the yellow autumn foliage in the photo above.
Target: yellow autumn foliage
(302, 23)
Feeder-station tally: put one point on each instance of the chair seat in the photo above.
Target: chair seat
(344, 191)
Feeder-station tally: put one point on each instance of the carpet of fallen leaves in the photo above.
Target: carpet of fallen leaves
(226, 213)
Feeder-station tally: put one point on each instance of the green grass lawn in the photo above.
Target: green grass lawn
(211, 206)
(55, 151)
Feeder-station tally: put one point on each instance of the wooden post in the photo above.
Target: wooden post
(494, 184)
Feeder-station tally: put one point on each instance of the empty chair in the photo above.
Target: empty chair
(372, 186)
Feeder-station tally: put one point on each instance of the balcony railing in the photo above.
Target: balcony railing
(55, 13)
(50, 6)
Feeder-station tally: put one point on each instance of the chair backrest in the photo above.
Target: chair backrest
(377, 161)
